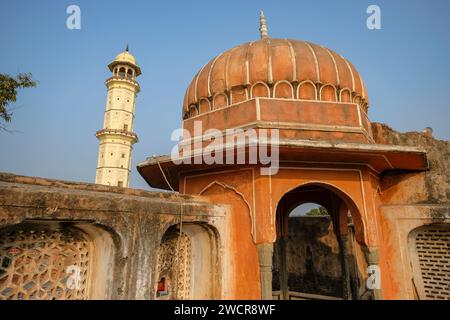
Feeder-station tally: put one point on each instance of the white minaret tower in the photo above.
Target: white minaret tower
(116, 139)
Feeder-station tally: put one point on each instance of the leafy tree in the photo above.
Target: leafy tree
(320, 211)
(8, 92)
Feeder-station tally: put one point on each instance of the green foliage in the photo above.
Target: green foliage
(320, 211)
(8, 91)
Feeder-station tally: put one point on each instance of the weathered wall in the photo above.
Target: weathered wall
(409, 200)
(431, 187)
(313, 263)
(135, 220)
(233, 188)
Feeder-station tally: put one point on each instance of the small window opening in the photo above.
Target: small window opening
(162, 289)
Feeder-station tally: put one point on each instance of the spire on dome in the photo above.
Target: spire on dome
(263, 26)
(126, 49)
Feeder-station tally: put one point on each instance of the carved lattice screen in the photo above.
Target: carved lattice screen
(430, 253)
(42, 263)
(176, 268)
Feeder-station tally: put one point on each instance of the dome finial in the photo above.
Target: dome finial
(263, 26)
(126, 49)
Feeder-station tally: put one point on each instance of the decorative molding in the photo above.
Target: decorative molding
(338, 82)
(240, 194)
(293, 60)
(209, 73)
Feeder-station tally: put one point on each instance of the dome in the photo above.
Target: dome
(274, 68)
(125, 58)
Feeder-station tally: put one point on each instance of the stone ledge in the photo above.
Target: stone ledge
(45, 182)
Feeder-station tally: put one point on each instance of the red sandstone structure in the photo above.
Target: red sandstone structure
(228, 232)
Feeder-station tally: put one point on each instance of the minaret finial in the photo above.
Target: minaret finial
(126, 49)
(263, 26)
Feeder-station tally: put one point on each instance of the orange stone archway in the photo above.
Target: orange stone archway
(338, 204)
(346, 199)
(253, 199)
(352, 184)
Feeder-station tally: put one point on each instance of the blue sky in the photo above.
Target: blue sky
(405, 65)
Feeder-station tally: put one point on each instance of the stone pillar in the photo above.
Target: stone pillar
(265, 254)
(374, 273)
(345, 252)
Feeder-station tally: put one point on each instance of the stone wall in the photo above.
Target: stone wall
(134, 220)
(408, 201)
(431, 187)
(313, 262)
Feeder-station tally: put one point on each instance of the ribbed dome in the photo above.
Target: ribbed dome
(277, 68)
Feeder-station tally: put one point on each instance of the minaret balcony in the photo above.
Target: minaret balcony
(133, 136)
(126, 78)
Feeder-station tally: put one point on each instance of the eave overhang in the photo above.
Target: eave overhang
(379, 158)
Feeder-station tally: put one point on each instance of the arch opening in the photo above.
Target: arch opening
(187, 263)
(130, 74)
(122, 72)
(316, 254)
